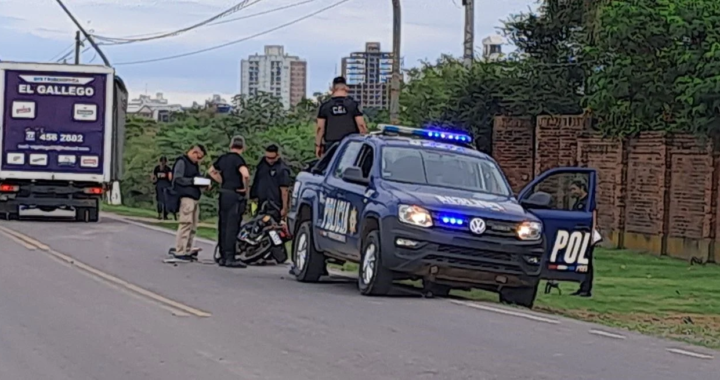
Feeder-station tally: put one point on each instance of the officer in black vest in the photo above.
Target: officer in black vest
(231, 172)
(185, 170)
(578, 189)
(338, 117)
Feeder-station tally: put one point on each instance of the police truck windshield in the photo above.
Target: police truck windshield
(442, 169)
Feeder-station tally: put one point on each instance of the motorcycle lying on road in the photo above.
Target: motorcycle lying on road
(262, 238)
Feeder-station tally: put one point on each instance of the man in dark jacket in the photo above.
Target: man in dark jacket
(161, 177)
(338, 117)
(231, 172)
(272, 182)
(578, 189)
(185, 170)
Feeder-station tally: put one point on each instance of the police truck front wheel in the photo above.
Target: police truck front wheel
(373, 278)
(521, 296)
(309, 263)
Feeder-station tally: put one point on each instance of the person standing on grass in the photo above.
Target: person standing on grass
(184, 172)
(161, 177)
(231, 172)
(578, 189)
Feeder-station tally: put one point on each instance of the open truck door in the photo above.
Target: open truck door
(564, 200)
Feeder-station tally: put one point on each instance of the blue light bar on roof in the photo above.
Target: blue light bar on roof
(427, 133)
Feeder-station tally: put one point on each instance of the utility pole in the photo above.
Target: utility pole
(87, 36)
(469, 51)
(78, 45)
(395, 81)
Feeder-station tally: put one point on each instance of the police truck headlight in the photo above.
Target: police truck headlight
(417, 216)
(529, 231)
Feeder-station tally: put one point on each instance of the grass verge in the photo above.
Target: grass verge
(654, 295)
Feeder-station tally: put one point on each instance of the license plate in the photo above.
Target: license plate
(275, 238)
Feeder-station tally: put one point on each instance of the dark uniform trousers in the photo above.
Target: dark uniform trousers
(160, 200)
(230, 212)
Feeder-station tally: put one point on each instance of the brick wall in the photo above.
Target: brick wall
(656, 192)
(513, 149)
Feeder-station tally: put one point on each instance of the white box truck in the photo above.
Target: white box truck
(62, 130)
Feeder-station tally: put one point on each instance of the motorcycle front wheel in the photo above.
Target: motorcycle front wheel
(249, 254)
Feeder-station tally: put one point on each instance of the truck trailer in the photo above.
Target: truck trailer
(62, 130)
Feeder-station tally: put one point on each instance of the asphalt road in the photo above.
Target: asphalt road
(94, 301)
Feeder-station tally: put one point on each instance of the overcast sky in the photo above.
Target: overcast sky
(38, 30)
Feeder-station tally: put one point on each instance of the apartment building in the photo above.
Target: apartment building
(274, 72)
(368, 74)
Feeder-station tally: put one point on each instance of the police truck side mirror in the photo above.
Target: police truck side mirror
(354, 175)
(539, 200)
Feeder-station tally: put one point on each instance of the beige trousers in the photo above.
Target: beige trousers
(187, 226)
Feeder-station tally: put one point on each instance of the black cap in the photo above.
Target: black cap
(339, 80)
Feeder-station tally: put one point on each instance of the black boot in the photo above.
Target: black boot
(234, 264)
(230, 261)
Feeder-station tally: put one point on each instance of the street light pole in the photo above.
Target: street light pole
(87, 36)
(469, 51)
(395, 81)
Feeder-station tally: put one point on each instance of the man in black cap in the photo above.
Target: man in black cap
(338, 117)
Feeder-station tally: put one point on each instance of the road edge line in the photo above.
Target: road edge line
(691, 354)
(606, 334)
(513, 313)
(152, 227)
(110, 278)
(21, 242)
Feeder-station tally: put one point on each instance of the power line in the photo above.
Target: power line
(70, 47)
(235, 41)
(233, 9)
(293, 5)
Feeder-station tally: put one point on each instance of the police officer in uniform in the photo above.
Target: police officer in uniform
(162, 177)
(578, 189)
(338, 117)
(230, 170)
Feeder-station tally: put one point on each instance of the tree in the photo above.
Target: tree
(658, 67)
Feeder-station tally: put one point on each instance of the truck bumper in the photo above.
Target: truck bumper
(10, 204)
(454, 258)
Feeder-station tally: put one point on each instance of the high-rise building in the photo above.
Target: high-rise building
(368, 75)
(274, 72)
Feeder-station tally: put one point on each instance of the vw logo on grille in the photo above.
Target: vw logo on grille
(477, 226)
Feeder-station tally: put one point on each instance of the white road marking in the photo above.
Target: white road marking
(607, 334)
(690, 353)
(27, 246)
(151, 227)
(181, 308)
(514, 313)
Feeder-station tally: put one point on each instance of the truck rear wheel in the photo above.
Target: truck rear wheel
(309, 263)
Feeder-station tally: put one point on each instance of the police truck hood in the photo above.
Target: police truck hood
(452, 200)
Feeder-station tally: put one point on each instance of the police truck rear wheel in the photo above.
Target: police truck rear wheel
(373, 278)
(309, 263)
(522, 296)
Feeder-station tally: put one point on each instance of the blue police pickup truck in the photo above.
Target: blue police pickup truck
(423, 204)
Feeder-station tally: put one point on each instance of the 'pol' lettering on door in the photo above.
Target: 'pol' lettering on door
(574, 245)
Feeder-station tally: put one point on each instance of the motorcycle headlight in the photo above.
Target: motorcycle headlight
(529, 231)
(414, 215)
